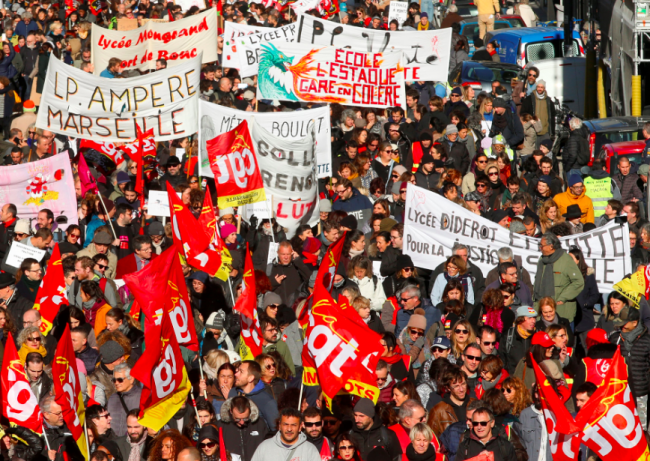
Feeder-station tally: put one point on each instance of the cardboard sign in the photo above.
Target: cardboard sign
(127, 24)
(158, 203)
(273, 252)
(19, 252)
(398, 11)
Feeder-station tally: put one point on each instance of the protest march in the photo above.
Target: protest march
(313, 230)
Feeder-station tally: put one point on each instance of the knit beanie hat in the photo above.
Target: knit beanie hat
(418, 320)
(366, 407)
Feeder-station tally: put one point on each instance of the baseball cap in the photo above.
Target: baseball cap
(442, 342)
(543, 339)
(627, 314)
(596, 336)
(526, 311)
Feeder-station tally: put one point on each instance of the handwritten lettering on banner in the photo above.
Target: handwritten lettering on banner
(242, 42)
(177, 42)
(216, 120)
(299, 72)
(426, 53)
(81, 105)
(433, 224)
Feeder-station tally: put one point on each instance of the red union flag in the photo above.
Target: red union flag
(162, 373)
(251, 334)
(52, 292)
(612, 427)
(67, 390)
(330, 262)
(19, 403)
(236, 173)
(160, 288)
(107, 148)
(338, 354)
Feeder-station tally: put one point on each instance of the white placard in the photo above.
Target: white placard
(19, 252)
(273, 252)
(399, 11)
(158, 204)
(259, 209)
(187, 4)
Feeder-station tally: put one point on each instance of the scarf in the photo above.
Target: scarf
(524, 333)
(556, 319)
(629, 337)
(506, 197)
(421, 27)
(211, 372)
(487, 385)
(124, 328)
(32, 285)
(540, 96)
(25, 349)
(428, 455)
(500, 121)
(545, 285)
(408, 343)
(493, 319)
(135, 448)
(354, 253)
(90, 309)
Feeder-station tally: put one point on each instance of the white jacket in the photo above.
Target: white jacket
(527, 14)
(368, 290)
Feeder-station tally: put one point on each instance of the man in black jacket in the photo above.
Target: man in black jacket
(506, 123)
(59, 437)
(11, 300)
(243, 429)
(485, 438)
(369, 432)
(287, 273)
(575, 154)
(514, 343)
(314, 431)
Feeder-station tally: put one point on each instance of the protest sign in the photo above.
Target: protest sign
(46, 183)
(433, 224)
(19, 252)
(124, 24)
(78, 104)
(216, 119)
(289, 179)
(177, 42)
(426, 53)
(158, 203)
(303, 72)
(242, 43)
(398, 11)
(260, 210)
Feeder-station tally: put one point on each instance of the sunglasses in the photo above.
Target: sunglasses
(532, 75)
(480, 423)
(507, 296)
(416, 332)
(493, 174)
(316, 424)
(473, 357)
(34, 340)
(270, 367)
(489, 343)
(481, 161)
(102, 266)
(208, 445)
(408, 269)
(394, 176)
(107, 415)
(330, 422)
(75, 236)
(506, 391)
(346, 447)
(480, 186)
(118, 380)
(460, 332)
(439, 350)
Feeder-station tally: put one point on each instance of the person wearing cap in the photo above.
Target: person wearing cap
(506, 123)
(119, 183)
(498, 146)
(101, 243)
(456, 103)
(350, 200)
(557, 276)
(426, 177)
(457, 150)
(172, 174)
(159, 241)
(270, 305)
(424, 23)
(369, 432)
(514, 343)
(539, 104)
(572, 216)
(204, 296)
(575, 195)
(112, 354)
(412, 340)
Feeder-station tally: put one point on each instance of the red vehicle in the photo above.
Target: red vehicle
(630, 149)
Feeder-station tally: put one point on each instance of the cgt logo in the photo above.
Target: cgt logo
(324, 344)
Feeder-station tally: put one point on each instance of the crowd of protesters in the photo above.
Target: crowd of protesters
(456, 376)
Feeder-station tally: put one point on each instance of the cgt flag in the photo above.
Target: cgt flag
(162, 373)
(208, 222)
(160, 288)
(52, 292)
(251, 334)
(67, 389)
(19, 404)
(337, 352)
(612, 427)
(234, 165)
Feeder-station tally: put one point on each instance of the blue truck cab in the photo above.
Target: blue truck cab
(470, 30)
(523, 45)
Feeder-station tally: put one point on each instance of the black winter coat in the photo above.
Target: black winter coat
(296, 273)
(586, 300)
(377, 436)
(33, 445)
(517, 351)
(471, 447)
(242, 441)
(638, 362)
(576, 150)
(61, 440)
(513, 132)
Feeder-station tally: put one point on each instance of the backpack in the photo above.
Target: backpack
(510, 339)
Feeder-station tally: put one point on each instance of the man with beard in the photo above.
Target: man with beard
(538, 103)
(314, 431)
(248, 381)
(243, 428)
(124, 231)
(271, 341)
(454, 404)
(370, 433)
(289, 443)
(135, 438)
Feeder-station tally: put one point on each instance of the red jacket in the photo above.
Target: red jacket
(128, 265)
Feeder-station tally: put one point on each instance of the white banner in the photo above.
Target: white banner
(302, 72)
(288, 179)
(433, 224)
(80, 105)
(426, 53)
(242, 42)
(216, 120)
(398, 10)
(18, 252)
(177, 42)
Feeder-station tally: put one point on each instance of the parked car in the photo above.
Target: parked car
(481, 74)
(633, 150)
(470, 30)
(613, 130)
(514, 20)
(525, 44)
(564, 79)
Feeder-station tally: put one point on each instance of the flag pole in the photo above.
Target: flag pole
(108, 218)
(195, 410)
(300, 398)
(47, 442)
(87, 444)
(232, 295)
(270, 208)
(205, 393)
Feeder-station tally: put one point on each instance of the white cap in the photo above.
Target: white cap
(233, 356)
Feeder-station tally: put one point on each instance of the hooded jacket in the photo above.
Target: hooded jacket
(575, 154)
(357, 202)
(275, 450)
(267, 406)
(377, 436)
(567, 198)
(458, 153)
(242, 441)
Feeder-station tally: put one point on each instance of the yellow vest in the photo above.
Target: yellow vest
(510, 152)
(599, 191)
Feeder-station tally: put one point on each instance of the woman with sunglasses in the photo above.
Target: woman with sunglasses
(516, 393)
(273, 384)
(503, 417)
(30, 339)
(208, 445)
(462, 334)
(73, 235)
(492, 312)
(383, 164)
(346, 448)
(404, 269)
(203, 416)
(491, 375)
(412, 341)
(455, 269)
(477, 169)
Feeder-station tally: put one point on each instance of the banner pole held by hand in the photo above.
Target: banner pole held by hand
(195, 410)
(205, 393)
(300, 398)
(85, 435)
(108, 217)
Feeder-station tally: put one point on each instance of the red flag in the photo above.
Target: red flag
(612, 427)
(106, 148)
(138, 156)
(208, 222)
(251, 334)
(67, 390)
(330, 263)
(161, 371)
(234, 164)
(190, 240)
(19, 404)
(88, 183)
(160, 287)
(52, 293)
(337, 347)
